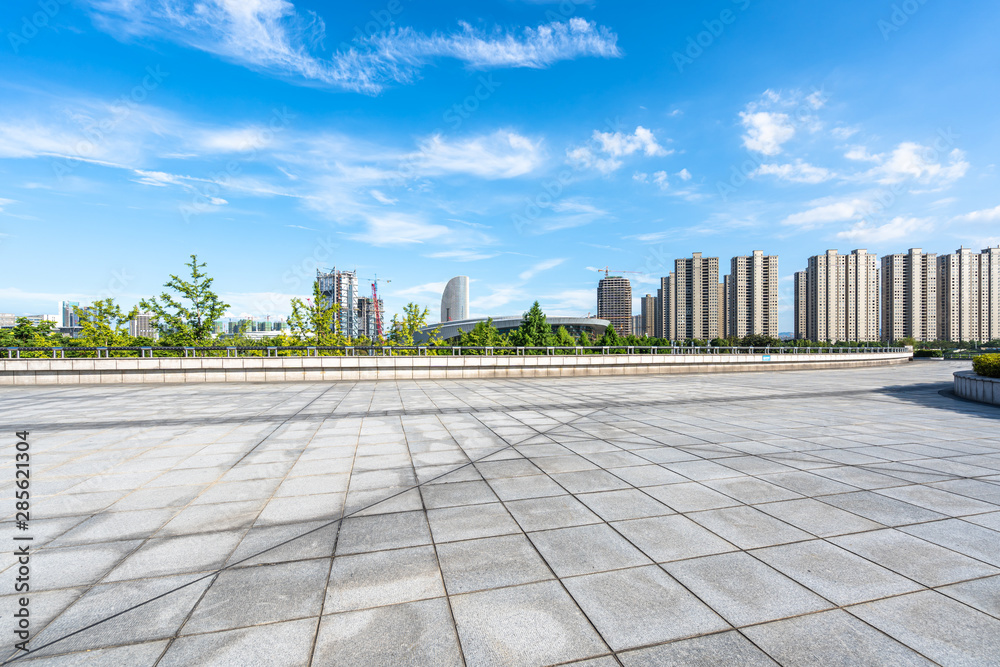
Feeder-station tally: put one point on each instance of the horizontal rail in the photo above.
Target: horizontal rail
(428, 350)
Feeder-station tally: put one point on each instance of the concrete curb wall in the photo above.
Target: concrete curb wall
(977, 388)
(320, 369)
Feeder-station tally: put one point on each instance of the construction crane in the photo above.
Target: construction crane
(607, 271)
(375, 303)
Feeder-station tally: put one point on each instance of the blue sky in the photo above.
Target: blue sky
(520, 142)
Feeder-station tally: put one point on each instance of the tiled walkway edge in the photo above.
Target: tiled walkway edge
(318, 369)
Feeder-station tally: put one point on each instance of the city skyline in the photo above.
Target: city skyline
(587, 140)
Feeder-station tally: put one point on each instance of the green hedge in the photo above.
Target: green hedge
(987, 365)
(928, 353)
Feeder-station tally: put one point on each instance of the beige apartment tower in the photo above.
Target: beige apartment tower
(800, 304)
(909, 296)
(614, 303)
(694, 298)
(969, 295)
(752, 297)
(665, 305)
(841, 302)
(647, 317)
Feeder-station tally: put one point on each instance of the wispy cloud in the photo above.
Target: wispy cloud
(985, 215)
(897, 228)
(796, 172)
(539, 267)
(503, 154)
(273, 37)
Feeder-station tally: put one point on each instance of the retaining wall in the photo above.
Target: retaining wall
(977, 388)
(320, 369)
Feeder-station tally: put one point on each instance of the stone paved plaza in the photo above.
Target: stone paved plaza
(811, 518)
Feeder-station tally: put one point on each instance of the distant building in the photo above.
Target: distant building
(637, 326)
(141, 326)
(614, 303)
(969, 295)
(752, 296)
(842, 300)
(647, 317)
(455, 300)
(8, 321)
(368, 325)
(693, 298)
(341, 288)
(665, 304)
(724, 307)
(909, 296)
(801, 304)
(594, 327)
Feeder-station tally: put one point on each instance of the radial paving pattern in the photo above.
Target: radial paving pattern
(824, 517)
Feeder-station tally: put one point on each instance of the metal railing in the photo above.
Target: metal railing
(416, 350)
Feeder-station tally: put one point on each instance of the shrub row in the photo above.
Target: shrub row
(987, 365)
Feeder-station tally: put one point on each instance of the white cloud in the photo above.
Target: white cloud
(539, 267)
(822, 213)
(503, 154)
(897, 228)
(463, 255)
(379, 196)
(5, 202)
(861, 154)
(912, 161)
(985, 215)
(499, 296)
(399, 229)
(843, 132)
(569, 213)
(569, 303)
(684, 175)
(766, 131)
(271, 36)
(607, 148)
(799, 172)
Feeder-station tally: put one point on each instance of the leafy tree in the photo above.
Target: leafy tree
(404, 328)
(610, 338)
(190, 313)
(585, 339)
(104, 324)
(534, 330)
(564, 338)
(313, 319)
(484, 334)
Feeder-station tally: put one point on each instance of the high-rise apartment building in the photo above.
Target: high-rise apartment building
(341, 288)
(800, 297)
(909, 296)
(841, 301)
(665, 307)
(969, 295)
(724, 306)
(614, 303)
(693, 297)
(752, 297)
(142, 326)
(368, 326)
(647, 317)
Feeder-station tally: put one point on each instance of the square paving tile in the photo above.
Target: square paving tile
(723, 648)
(744, 590)
(530, 625)
(470, 522)
(837, 574)
(830, 638)
(940, 628)
(915, 558)
(748, 528)
(375, 579)
(281, 644)
(413, 633)
(586, 549)
(675, 537)
(491, 562)
(690, 497)
(640, 606)
(245, 596)
(626, 504)
(548, 513)
(359, 534)
(818, 518)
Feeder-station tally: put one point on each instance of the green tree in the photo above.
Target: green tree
(610, 338)
(188, 315)
(484, 334)
(534, 330)
(404, 328)
(313, 319)
(585, 339)
(564, 338)
(104, 324)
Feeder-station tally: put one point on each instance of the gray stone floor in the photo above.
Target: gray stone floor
(812, 518)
